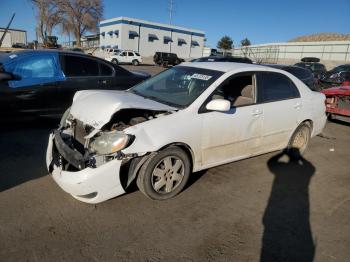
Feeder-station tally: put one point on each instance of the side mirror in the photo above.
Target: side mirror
(6, 76)
(221, 105)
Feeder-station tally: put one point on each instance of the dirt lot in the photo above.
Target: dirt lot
(265, 208)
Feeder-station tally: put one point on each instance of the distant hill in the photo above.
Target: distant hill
(322, 37)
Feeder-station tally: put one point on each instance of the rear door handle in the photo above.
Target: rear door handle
(297, 105)
(257, 112)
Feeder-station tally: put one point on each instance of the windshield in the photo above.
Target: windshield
(178, 86)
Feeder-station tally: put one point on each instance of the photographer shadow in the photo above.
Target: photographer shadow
(287, 232)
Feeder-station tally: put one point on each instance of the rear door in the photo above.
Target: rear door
(281, 104)
(82, 73)
(131, 57)
(107, 78)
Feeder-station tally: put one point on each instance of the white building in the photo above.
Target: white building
(13, 36)
(325, 50)
(148, 37)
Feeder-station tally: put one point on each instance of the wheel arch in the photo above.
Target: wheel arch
(186, 148)
(129, 170)
(308, 121)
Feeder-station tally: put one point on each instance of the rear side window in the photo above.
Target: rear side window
(274, 87)
(79, 66)
(106, 70)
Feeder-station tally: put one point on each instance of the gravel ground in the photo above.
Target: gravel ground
(265, 208)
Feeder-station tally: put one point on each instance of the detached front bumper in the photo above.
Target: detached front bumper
(90, 185)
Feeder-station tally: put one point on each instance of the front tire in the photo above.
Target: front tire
(299, 141)
(165, 174)
(115, 61)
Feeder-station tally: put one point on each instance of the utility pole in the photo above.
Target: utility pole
(171, 6)
(6, 29)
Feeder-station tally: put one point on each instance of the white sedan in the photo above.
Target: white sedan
(188, 118)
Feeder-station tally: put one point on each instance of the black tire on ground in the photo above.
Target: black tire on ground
(165, 64)
(165, 174)
(299, 141)
(115, 61)
(329, 116)
(135, 62)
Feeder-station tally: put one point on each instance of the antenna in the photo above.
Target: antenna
(171, 10)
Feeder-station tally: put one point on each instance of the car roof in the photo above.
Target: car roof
(279, 66)
(8, 56)
(225, 66)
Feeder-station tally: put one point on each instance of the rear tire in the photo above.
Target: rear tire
(115, 61)
(165, 174)
(299, 141)
(135, 62)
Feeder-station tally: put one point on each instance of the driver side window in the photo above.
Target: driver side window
(240, 90)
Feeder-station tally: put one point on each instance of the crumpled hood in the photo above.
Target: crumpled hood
(95, 108)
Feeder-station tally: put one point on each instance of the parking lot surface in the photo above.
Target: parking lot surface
(266, 208)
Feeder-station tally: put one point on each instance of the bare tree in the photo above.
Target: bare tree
(48, 16)
(80, 16)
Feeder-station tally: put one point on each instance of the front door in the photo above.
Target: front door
(36, 86)
(123, 57)
(228, 136)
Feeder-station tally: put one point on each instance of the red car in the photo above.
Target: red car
(338, 102)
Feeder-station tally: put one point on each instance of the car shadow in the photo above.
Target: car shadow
(340, 122)
(23, 147)
(287, 233)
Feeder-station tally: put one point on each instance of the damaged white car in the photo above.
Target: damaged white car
(188, 118)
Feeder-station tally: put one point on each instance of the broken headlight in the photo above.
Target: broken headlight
(109, 142)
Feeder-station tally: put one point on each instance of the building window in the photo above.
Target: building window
(110, 33)
(133, 34)
(116, 32)
(194, 44)
(103, 35)
(152, 37)
(167, 40)
(181, 41)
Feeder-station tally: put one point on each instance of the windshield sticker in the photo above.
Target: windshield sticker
(201, 77)
(13, 56)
